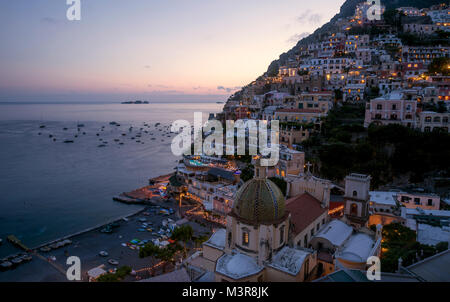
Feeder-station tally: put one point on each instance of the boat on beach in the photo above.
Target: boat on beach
(128, 200)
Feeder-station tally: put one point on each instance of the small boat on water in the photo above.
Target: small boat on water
(68, 141)
(80, 125)
(42, 126)
(5, 265)
(16, 261)
(45, 249)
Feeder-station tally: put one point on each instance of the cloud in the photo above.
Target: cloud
(228, 89)
(147, 66)
(164, 86)
(297, 37)
(309, 17)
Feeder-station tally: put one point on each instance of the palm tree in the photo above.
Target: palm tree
(183, 233)
(149, 250)
(165, 255)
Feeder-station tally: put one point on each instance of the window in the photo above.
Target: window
(245, 238)
(379, 107)
(405, 199)
(318, 226)
(394, 107)
(430, 202)
(305, 241)
(312, 232)
(282, 234)
(416, 200)
(354, 209)
(355, 193)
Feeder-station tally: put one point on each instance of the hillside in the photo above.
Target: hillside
(347, 10)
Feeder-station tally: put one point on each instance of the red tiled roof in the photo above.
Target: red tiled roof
(300, 110)
(304, 209)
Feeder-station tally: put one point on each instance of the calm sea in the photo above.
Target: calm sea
(50, 189)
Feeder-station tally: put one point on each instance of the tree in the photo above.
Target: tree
(281, 184)
(165, 255)
(440, 65)
(119, 275)
(183, 233)
(247, 173)
(148, 250)
(400, 242)
(442, 246)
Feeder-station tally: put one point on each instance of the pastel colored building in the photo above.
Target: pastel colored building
(392, 108)
(432, 121)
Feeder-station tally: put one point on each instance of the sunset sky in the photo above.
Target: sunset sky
(146, 49)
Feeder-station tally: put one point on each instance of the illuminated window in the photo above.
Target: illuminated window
(245, 238)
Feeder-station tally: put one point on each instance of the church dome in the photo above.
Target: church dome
(259, 200)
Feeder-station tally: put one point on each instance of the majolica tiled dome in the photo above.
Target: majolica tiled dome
(259, 200)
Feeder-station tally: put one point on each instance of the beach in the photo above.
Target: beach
(88, 243)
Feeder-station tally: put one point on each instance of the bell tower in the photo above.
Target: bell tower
(356, 199)
(260, 171)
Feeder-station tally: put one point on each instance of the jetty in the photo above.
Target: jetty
(14, 240)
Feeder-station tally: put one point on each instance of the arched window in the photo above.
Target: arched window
(355, 193)
(354, 209)
(245, 237)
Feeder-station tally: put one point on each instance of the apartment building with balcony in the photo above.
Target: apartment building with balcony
(392, 108)
(432, 121)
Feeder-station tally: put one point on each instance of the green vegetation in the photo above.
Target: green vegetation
(439, 65)
(281, 183)
(247, 173)
(423, 40)
(400, 242)
(183, 233)
(163, 254)
(384, 152)
(119, 275)
(199, 240)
